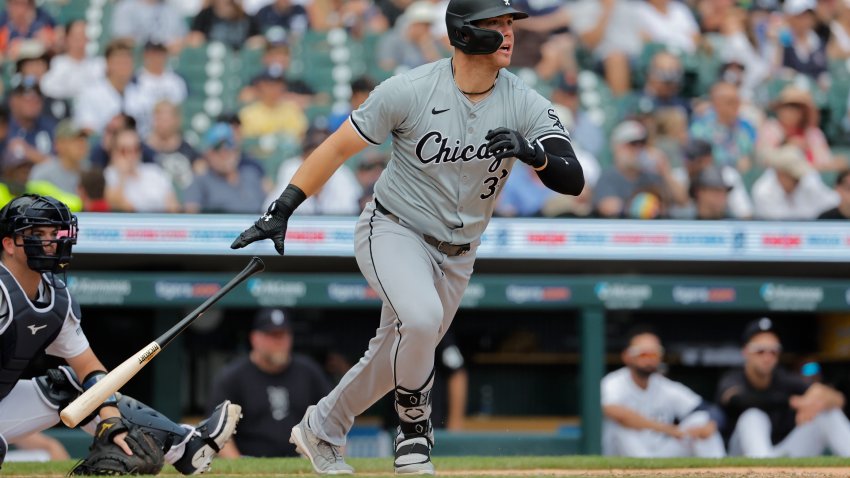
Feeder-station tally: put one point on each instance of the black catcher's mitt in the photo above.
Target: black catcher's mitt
(107, 458)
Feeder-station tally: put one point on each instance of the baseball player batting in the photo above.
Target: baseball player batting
(458, 125)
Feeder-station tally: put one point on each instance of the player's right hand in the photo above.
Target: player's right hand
(271, 225)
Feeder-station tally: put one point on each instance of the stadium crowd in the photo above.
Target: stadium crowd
(694, 109)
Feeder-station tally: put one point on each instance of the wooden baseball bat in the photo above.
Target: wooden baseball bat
(88, 402)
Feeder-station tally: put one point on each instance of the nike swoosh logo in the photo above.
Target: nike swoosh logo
(435, 111)
(36, 328)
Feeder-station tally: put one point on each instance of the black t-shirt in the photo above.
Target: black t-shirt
(833, 213)
(271, 404)
(773, 400)
(232, 33)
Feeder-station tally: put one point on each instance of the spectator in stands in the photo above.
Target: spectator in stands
(34, 62)
(797, 123)
(543, 42)
(670, 131)
(663, 88)
(584, 130)
(22, 20)
(157, 82)
(838, 47)
(410, 43)
(710, 192)
(171, 150)
(73, 70)
(276, 58)
(771, 412)
(272, 112)
(669, 23)
(608, 28)
(339, 196)
(41, 442)
(273, 385)
(733, 137)
(30, 129)
(360, 89)
(523, 195)
(14, 173)
(283, 18)
(149, 21)
(92, 191)
(790, 189)
(636, 168)
(63, 170)
(842, 187)
(800, 49)
(134, 186)
(100, 152)
(648, 415)
(357, 17)
(4, 126)
(369, 168)
(225, 21)
(99, 102)
(227, 185)
(699, 156)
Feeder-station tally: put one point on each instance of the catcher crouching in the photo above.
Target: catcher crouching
(38, 315)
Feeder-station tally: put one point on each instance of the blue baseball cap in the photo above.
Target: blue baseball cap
(219, 135)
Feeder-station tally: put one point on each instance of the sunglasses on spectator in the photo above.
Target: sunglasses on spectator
(764, 349)
(645, 352)
(128, 149)
(640, 143)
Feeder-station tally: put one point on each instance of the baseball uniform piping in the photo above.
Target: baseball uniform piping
(381, 284)
(360, 132)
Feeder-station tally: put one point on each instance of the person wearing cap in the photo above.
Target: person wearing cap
(698, 155)
(157, 82)
(24, 20)
(142, 21)
(773, 413)
(273, 112)
(59, 176)
(710, 193)
(790, 189)
(410, 43)
(273, 385)
(648, 415)
(733, 136)
(277, 58)
(73, 69)
(227, 185)
(842, 187)
(341, 194)
(636, 168)
(30, 129)
(133, 185)
(665, 77)
(225, 21)
(797, 123)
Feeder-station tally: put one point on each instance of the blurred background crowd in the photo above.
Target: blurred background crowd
(693, 109)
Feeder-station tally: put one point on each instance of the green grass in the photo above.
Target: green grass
(486, 465)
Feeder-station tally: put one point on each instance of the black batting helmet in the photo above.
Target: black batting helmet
(31, 210)
(473, 40)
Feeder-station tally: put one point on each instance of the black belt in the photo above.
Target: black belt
(442, 246)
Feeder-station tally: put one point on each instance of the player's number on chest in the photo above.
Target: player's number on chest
(492, 183)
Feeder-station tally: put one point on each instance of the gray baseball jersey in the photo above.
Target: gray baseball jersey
(441, 180)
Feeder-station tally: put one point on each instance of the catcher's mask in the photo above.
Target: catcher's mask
(22, 214)
(473, 40)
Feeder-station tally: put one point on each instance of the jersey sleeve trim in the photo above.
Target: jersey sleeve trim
(361, 133)
(555, 135)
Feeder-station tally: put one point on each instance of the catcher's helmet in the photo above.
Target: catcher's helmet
(473, 40)
(32, 210)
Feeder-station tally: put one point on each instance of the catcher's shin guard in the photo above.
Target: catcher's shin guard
(163, 430)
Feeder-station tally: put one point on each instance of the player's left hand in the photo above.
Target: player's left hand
(506, 143)
(272, 225)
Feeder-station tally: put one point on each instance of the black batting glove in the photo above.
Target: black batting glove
(272, 224)
(506, 143)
